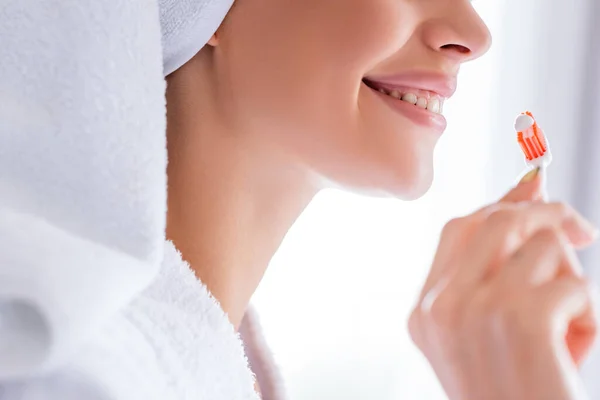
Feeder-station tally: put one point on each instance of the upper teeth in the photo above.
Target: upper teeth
(434, 104)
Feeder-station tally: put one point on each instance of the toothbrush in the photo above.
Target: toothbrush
(534, 145)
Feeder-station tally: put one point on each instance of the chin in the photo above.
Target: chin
(411, 187)
(410, 177)
(403, 185)
(383, 171)
(415, 192)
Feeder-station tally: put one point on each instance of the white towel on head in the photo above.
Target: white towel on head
(186, 27)
(83, 163)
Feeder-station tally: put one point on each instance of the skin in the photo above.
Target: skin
(274, 109)
(505, 312)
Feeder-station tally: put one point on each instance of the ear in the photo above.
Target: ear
(213, 41)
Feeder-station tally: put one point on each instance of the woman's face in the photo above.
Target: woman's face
(331, 84)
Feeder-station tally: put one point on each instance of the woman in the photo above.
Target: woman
(289, 97)
(270, 155)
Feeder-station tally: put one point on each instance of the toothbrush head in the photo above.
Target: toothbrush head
(532, 140)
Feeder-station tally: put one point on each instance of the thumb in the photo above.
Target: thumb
(529, 188)
(571, 303)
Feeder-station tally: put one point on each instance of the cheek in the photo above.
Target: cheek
(294, 69)
(311, 54)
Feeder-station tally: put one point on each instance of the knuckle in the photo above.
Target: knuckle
(549, 237)
(582, 285)
(504, 219)
(454, 226)
(414, 326)
(592, 289)
(443, 312)
(434, 316)
(507, 226)
(561, 209)
(593, 292)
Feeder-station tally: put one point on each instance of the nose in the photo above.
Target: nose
(457, 32)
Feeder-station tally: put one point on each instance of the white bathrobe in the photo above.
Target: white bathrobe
(172, 342)
(93, 305)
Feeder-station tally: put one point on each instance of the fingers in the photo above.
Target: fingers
(504, 231)
(453, 235)
(453, 241)
(501, 228)
(528, 189)
(567, 302)
(457, 231)
(544, 257)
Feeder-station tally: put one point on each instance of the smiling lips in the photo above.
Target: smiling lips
(419, 96)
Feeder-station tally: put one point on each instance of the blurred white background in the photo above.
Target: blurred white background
(335, 300)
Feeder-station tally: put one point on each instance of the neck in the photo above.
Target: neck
(230, 202)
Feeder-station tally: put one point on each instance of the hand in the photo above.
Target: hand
(505, 312)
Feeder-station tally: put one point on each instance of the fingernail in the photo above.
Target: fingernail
(531, 175)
